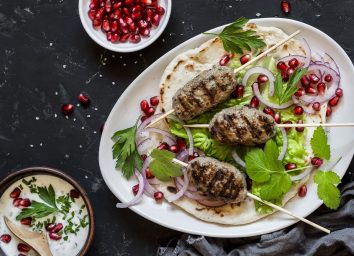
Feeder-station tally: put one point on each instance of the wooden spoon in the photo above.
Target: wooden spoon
(38, 241)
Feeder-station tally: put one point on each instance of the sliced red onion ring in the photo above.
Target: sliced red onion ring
(307, 49)
(333, 64)
(237, 158)
(211, 203)
(183, 156)
(180, 182)
(144, 146)
(307, 109)
(285, 144)
(149, 190)
(138, 196)
(153, 181)
(181, 191)
(190, 194)
(267, 103)
(169, 136)
(260, 70)
(145, 123)
(302, 175)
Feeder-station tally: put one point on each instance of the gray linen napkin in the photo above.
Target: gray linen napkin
(299, 239)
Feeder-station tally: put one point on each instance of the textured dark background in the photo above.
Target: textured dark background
(47, 59)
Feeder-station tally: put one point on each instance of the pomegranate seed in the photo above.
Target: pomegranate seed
(133, 28)
(148, 14)
(115, 38)
(181, 143)
(91, 14)
(238, 92)
(310, 90)
(84, 99)
(164, 146)
(67, 109)
(25, 202)
(145, 32)
(109, 36)
(299, 92)
(136, 15)
(154, 101)
(122, 23)
(108, 6)
(26, 221)
(114, 26)
(245, 58)
(23, 247)
(285, 6)
(305, 81)
(287, 128)
(135, 189)
(314, 79)
(290, 166)
(328, 78)
(142, 24)
(158, 195)
(302, 191)
(50, 227)
(316, 106)
(277, 118)
(293, 63)
(334, 101)
(290, 71)
(128, 20)
(144, 105)
(127, 13)
(5, 238)
(300, 129)
(328, 111)
(129, 2)
(316, 161)
(191, 157)
(262, 79)
(282, 66)
(137, 8)
(143, 157)
(149, 174)
(268, 111)
(135, 39)
(150, 111)
(143, 118)
(146, 2)
(156, 19)
(321, 87)
(117, 14)
(285, 76)
(298, 110)
(57, 228)
(339, 92)
(99, 14)
(17, 201)
(117, 5)
(74, 193)
(54, 236)
(160, 10)
(254, 102)
(15, 193)
(96, 23)
(174, 148)
(224, 60)
(105, 25)
(124, 38)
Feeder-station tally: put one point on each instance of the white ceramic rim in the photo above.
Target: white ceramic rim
(171, 224)
(145, 42)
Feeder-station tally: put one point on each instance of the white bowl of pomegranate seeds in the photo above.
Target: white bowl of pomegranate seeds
(124, 25)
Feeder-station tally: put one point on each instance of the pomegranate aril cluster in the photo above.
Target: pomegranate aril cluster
(149, 107)
(125, 20)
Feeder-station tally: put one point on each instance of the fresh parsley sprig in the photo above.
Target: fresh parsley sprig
(162, 166)
(37, 210)
(236, 40)
(125, 152)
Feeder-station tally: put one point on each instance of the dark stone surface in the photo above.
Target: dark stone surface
(47, 59)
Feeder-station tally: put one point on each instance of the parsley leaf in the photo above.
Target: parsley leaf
(236, 40)
(47, 194)
(37, 210)
(285, 91)
(125, 152)
(319, 144)
(162, 166)
(326, 190)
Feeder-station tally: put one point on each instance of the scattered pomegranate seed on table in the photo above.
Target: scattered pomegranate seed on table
(5, 238)
(302, 191)
(67, 109)
(84, 99)
(285, 6)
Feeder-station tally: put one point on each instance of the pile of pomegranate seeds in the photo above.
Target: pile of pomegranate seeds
(53, 230)
(124, 20)
(149, 109)
(67, 109)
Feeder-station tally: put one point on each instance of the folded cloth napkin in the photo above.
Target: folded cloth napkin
(299, 239)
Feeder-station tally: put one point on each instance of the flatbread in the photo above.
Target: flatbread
(188, 65)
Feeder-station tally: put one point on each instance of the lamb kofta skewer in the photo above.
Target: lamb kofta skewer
(223, 181)
(197, 96)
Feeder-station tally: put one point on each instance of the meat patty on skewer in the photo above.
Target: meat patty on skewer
(242, 125)
(218, 180)
(204, 92)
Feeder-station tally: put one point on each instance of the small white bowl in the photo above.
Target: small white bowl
(99, 37)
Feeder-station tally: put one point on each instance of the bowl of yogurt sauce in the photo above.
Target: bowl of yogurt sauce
(42, 199)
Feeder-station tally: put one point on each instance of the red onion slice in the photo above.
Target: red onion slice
(285, 144)
(144, 146)
(183, 156)
(301, 175)
(137, 198)
(191, 141)
(180, 182)
(212, 203)
(142, 126)
(237, 158)
(182, 190)
(307, 49)
(260, 70)
(333, 64)
(153, 181)
(267, 103)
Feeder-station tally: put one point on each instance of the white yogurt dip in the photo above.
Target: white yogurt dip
(75, 220)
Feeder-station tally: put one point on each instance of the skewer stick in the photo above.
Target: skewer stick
(267, 51)
(285, 125)
(274, 206)
(235, 71)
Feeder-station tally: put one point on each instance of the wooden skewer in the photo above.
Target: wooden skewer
(235, 71)
(274, 206)
(285, 125)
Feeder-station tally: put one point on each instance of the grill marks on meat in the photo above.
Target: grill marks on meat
(218, 180)
(242, 125)
(204, 92)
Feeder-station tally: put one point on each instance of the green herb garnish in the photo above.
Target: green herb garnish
(125, 152)
(37, 210)
(319, 144)
(236, 40)
(326, 190)
(162, 166)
